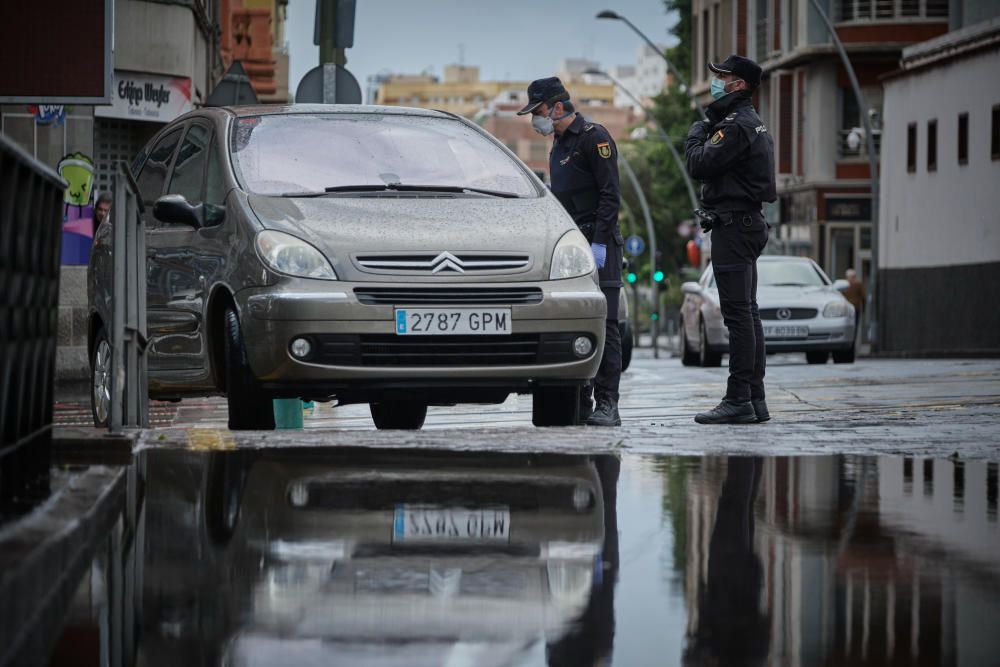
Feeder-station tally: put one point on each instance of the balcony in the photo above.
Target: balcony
(889, 10)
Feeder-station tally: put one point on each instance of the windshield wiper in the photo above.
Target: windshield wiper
(399, 187)
(787, 285)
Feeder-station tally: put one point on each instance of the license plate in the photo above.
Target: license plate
(452, 322)
(786, 332)
(421, 523)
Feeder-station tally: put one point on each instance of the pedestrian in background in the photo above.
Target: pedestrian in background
(583, 171)
(732, 154)
(855, 294)
(101, 209)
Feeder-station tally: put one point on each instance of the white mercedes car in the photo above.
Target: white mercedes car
(801, 310)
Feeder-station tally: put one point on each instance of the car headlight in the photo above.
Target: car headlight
(288, 254)
(836, 309)
(572, 257)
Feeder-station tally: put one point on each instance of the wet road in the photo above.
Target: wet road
(351, 556)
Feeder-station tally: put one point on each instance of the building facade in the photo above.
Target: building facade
(939, 215)
(646, 79)
(824, 206)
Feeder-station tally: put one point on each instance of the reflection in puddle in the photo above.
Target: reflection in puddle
(363, 557)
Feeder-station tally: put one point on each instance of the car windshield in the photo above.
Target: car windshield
(794, 273)
(316, 153)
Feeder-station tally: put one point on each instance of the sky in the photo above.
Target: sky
(507, 39)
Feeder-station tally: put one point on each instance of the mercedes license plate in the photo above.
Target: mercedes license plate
(786, 332)
(426, 523)
(452, 322)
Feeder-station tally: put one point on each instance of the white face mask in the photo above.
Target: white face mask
(545, 125)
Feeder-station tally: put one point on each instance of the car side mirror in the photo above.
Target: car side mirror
(841, 285)
(177, 209)
(691, 288)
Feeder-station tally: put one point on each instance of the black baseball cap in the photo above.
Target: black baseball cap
(739, 66)
(544, 91)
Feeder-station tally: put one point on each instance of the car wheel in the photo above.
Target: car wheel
(817, 357)
(705, 356)
(249, 407)
(555, 406)
(100, 380)
(844, 356)
(688, 358)
(406, 415)
(626, 332)
(225, 481)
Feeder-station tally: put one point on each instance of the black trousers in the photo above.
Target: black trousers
(738, 239)
(609, 373)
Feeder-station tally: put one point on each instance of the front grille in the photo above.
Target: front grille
(446, 296)
(390, 350)
(796, 314)
(444, 263)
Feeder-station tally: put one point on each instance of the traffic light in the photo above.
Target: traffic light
(658, 276)
(631, 277)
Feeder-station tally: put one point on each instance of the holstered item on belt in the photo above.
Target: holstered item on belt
(588, 230)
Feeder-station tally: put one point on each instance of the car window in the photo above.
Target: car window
(794, 273)
(154, 170)
(277, 154)
(188, 176)
(215, 183)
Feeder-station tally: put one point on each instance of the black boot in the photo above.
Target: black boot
(760, 409)
(728, 412)
(606, 413)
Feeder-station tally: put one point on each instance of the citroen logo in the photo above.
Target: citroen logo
(447, 261)
(784, 314)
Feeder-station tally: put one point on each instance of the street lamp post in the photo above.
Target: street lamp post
(872, 168)
(652, 251)
(615, 16)
(659, 128)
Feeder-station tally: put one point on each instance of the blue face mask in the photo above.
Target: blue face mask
(718, 88)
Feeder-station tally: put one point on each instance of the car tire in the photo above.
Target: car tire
(100, 380)
(398, 415)
(688, 358)
(844, 356)
(224, 485)
(706, 357)
(250, 408)
(817, 357)
(555, 406)
(627, 343)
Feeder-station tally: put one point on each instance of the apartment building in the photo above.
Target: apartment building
(824, 206)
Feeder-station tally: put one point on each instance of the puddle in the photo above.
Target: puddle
(379, 557)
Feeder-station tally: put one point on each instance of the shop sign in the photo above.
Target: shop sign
(849, 209)
(150, 97)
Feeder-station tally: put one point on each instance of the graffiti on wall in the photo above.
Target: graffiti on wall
(78, 209)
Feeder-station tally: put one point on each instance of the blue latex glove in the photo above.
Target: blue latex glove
(600, 253)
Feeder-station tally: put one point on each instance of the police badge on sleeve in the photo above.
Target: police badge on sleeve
(717, 137)
(604, 149)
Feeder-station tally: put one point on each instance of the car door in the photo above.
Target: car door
(176, 268)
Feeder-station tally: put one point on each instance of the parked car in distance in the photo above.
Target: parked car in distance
(801, 310)
(382, 255)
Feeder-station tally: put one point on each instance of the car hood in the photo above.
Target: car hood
(811, 297)
(346, 227)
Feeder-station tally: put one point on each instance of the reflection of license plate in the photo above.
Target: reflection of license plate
(425, 523)
(786, 332)
(443, 322)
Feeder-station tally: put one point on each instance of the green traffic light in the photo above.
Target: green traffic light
(658, 276)
(631, 277)
(654, 316)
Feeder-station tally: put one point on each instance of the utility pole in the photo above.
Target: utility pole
(655, 286)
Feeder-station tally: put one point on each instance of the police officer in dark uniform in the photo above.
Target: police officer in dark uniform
(584, 171)
(732, 153)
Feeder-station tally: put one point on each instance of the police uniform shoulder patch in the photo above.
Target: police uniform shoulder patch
(588, 128)
(731, 116)
(717, 137)
(604, 149)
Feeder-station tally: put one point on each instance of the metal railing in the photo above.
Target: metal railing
(129, 385)
(882, 10)
(31, 196)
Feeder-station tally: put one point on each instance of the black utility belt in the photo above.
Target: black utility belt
(745, 218)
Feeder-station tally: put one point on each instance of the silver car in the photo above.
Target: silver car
(396, 257)
(801, 310)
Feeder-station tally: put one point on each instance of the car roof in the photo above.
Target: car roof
(279, 109)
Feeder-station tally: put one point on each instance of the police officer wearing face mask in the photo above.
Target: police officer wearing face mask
(584, 170)
(733, 155)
